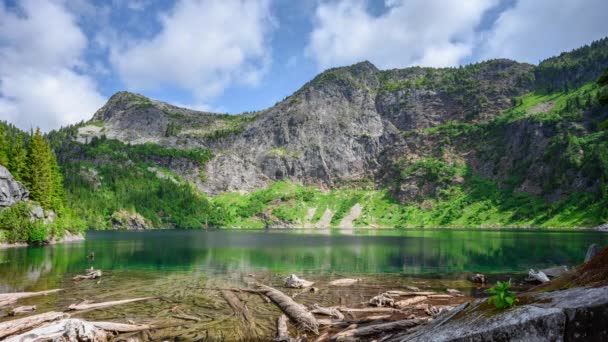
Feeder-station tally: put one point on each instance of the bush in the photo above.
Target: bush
(502, 298)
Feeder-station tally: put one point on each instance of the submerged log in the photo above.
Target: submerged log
(294, 282)
(343, 282)
(26, 323)
(382, 300)
(410, 301)
(11, 298)
(298, 313)
(91, 274)
(240, 309)
(396, 293)
(87, 305)
(121, 327)
(332, 312)
(22, 309)
(377, 309)
(376, 329)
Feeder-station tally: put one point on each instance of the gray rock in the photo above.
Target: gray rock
(602, 227)
(11, 191)
(123, 219)
(568, 315)
(554, 272)
(592, 251)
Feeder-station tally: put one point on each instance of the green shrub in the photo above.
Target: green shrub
(502, 297)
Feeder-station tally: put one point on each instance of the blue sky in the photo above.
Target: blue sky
(60, 60)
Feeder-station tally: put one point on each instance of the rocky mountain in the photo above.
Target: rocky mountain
(11, 191)
(417, 131)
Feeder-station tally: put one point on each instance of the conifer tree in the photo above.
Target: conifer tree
(18, 158)
(3, 146)
(39, 176)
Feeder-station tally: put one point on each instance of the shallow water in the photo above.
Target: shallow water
(179, 268)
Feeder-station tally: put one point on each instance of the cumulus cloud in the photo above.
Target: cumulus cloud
(40, 55)
(533, 30)
(203, 47)
(413, 32)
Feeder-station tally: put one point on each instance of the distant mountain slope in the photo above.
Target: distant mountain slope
(416, 133)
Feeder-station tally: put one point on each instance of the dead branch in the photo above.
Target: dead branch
(91, 274)
(22, 309)
(378, 309)
(26, 323)
(332, 312)
(377, 329)
(410, 301)
(343, 282)
(86, 305)
(396, 293)
(11, 298)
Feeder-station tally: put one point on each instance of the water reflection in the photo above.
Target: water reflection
(359, 252)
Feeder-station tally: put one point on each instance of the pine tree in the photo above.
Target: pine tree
(39, 176)
(3, 146)
(57, 193)
(18, 158)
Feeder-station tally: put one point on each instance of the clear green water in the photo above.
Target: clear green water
(360, 252)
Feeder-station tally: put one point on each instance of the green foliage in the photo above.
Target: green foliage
(40, 178)
(19, 227)
(4, 147)
(172, 129)
(18, 158)
(224, 132)
(502, 298)
(431, 169)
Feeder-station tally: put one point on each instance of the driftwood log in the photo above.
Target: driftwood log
(410, 301)
(22, 309)
(369, 330)
(11, 298)
(331, 312)
(303, 319)
(15, 326)
(91, 274)
(396, 293)
(87, 305)
(343, 282)
(538, 276)
(295, 282)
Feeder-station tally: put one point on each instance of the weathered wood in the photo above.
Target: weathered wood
(343, 282)
(377, 329)
(11, 298)
(282, 333)
(22, 309)
(382, 300)
(440, 296)
(91, 274)
(26, 323)
(378, 309)
(332, 312)
(295, 282)
(86, 305)
(121, 327)
(298, 313)
(538, 276)
(239, 308)
(397, 293)
(410, 301)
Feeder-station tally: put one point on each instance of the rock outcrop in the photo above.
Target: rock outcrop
(11, 191)
(124, 219)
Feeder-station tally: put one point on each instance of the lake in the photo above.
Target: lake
(181, 268)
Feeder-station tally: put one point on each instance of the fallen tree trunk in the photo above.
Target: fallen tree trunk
(332, 312)
(86, 305)
(26, 323)
(11, 298)
(298, 313)
(376, 329)
(237, 305)
(121, 327)
(377, 309)
(410, 301)
(91, 274)
(396, 293)
(22, 309)
(343, 282)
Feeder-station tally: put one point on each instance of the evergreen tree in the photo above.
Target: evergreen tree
(39, 176)
(57, 194)
(18, 158)
(3, 146)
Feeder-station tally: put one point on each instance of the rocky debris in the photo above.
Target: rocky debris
(294, 282)
(91, 176)
(537, 277)
(454, 292)
(348, 221)
(91, 274)
(478, 278)
(602, 227)
(11, 191)
(124, 219)
(592, 251)
(325, 220)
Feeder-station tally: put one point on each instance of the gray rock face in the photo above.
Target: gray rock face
(577, 314)
(11, 191)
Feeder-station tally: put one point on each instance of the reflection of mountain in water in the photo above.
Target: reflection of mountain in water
(387, 251)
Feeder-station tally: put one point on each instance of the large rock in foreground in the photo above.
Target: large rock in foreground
(11, 191)
(578, 314)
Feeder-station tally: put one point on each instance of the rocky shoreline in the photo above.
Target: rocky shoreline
(67, 238)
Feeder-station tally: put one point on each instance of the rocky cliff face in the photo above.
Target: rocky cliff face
(358, 124)
(11, 191)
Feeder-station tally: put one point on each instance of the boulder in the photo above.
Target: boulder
(123, 219)
(577, 314)
(592, 251)
(11, 191)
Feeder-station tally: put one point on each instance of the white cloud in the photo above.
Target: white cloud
(536, 29)
(414, 32)
(40, 51)
(202, 47)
